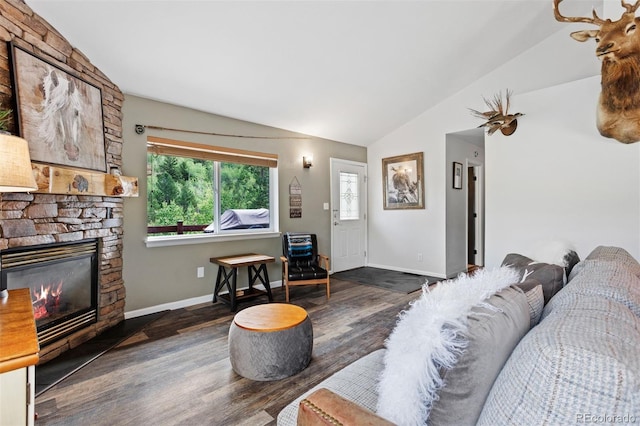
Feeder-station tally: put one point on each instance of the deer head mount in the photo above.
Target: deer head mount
(618, 47)
(498, 117)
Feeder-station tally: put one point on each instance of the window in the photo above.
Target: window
(349, 203)
(196, 190)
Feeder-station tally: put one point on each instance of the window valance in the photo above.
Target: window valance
(163, 146)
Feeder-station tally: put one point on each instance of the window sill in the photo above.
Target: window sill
(182, 240)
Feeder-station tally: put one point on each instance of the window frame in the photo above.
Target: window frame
(218, 155)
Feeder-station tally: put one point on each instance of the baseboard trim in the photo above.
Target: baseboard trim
(186, 302)
(410, 271)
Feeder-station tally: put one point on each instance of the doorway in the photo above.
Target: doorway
(348, 214)
(475, 219)
(464, 203)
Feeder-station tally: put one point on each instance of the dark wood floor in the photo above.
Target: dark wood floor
(177, 370)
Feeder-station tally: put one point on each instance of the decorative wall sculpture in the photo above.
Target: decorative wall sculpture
(497, 116)
(618, 47)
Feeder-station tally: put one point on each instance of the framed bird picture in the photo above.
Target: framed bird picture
(403, 182)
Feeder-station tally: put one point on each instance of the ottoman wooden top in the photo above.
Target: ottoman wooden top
(270, 317)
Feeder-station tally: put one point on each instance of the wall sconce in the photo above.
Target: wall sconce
(307, 161)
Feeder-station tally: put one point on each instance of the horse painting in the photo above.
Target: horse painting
(59, 114)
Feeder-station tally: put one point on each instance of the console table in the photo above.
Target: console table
(18, 356)
(228, 273)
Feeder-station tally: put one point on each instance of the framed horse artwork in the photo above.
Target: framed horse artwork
(403, 181)
(58, 114)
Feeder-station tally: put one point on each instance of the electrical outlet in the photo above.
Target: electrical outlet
(200, 272)
(419, 257)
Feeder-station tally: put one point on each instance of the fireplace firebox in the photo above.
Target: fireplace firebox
(63, 281)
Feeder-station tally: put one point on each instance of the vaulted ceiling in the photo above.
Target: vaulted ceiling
(349, 70)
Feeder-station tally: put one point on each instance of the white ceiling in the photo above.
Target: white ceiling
(350, 71)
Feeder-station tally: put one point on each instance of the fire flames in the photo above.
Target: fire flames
(46, 300)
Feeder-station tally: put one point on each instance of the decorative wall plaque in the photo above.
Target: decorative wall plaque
(295, 199)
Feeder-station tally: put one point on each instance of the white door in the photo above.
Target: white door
(348, 214)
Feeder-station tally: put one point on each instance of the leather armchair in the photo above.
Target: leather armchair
(301, 262)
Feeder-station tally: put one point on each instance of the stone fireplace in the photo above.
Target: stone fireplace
(36, 219)
(30, 222)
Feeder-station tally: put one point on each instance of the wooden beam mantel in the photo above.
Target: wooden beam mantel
(63, 180)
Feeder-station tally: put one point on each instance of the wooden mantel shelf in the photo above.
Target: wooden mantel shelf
(19, 346)
(63, 180)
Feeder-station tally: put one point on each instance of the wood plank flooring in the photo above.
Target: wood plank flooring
(176, 371)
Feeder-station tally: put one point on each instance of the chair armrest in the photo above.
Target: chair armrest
(324, 259)
(324, 407)
(285, 267)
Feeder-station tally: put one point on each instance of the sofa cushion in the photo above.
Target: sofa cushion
(582, 359)
(617, 254)
(552, 277)
(356, 382)
(493, 333)
(608, 279)
(429, 337)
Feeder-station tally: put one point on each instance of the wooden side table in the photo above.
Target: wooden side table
(228, 273)
(18, 356)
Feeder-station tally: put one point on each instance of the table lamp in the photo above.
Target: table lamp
(15, 171)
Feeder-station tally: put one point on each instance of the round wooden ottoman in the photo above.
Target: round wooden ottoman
(270, 342)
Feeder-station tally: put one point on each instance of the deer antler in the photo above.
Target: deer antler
(595, 20)
(630, 8)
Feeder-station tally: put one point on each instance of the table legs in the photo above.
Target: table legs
(228, 278)
(260, 273)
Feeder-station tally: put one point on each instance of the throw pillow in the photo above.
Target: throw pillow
(552, 277)
(535, 298)
(427, 338)
(557, 253)
(492, 335)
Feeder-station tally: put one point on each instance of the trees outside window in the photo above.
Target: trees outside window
(187, 190)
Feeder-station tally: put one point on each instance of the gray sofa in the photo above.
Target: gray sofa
(579, 364)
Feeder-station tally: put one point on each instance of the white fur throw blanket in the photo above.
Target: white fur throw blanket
(427, 337)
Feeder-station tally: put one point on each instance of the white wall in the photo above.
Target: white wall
(556, 178)
(397, 237)
(559, 129)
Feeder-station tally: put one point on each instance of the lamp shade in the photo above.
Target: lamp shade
(15, 165)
